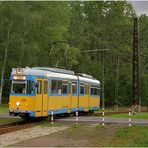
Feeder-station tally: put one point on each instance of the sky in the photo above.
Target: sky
(141, 7)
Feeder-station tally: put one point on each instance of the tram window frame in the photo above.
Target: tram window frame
(53, 89)
(82, 86)
(95, 90)
(61, 87)
(39, 88)
(16, 91)
(30, 87)
(64, 83)
(74, 85)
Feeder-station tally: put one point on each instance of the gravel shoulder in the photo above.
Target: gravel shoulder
(85, 136)
(92, 136)
(25, 134)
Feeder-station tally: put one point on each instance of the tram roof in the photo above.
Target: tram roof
(49, 72)
(95, 81)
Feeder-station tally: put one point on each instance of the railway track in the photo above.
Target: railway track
(7, 128)
(12, 124)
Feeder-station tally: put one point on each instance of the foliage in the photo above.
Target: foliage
(58, 34)
(4, 108)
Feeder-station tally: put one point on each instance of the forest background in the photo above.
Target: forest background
(58, 34)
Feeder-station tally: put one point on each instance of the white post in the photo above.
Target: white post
(51, 116)
(77, 119)
(103, 122)
(129, 120)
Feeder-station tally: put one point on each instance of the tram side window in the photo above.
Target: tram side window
(53, 87)
(74, 87)
(82, 88)
(64, 87)
(39, 88)
(59, 87)
(30, 87)
(95, 90)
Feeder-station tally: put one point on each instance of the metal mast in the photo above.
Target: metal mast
(103, 72)
(136, 92)
(2, 76)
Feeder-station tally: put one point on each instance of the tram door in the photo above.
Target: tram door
(87, 91)
(42, 97)
(70, 96)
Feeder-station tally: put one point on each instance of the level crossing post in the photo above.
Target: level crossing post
(51, 116)
(77, 118)
(103, 114)
(129, 120)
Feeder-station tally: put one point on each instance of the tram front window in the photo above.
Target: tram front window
(22, 87)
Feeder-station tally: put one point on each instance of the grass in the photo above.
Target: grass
(4, 108)
(143, 115)
(9, 120)
(135, 136)
(98, 136)
(48, 124)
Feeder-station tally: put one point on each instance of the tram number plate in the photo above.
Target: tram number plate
(23, 99)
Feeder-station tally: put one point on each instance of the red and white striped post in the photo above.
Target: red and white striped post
(129, 120)
(77, 119)
(51, 116)
(103, 113)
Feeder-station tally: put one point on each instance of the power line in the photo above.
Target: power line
(103, 65)
(124, 57)
(95, 50)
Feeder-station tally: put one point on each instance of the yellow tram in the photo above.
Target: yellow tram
(38, 90)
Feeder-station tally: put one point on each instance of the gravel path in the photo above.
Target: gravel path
(18, 136)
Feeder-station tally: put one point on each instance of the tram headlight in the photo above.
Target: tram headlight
(17, 103)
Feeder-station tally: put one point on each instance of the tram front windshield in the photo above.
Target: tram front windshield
(22, 87)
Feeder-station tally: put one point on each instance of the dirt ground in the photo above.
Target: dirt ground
(73, 137)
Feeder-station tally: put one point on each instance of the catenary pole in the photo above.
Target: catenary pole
(2, 76)
(136, 89)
